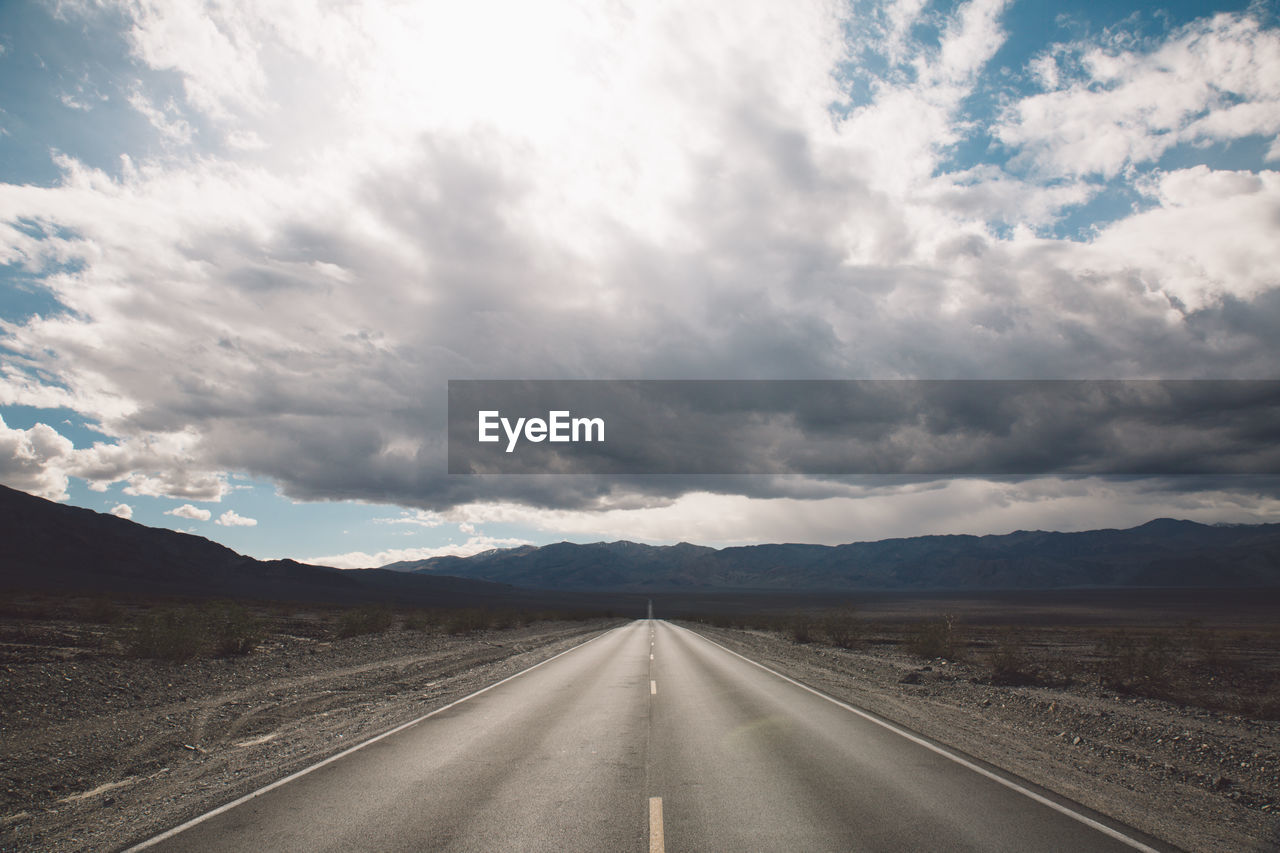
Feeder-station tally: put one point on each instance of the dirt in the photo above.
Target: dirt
(99, 750)
(1199, 779)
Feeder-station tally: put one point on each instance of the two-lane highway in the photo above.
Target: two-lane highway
(649, 737)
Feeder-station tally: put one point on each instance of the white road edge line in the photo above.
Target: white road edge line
(164, 836)
(657, 844)
(945, 753)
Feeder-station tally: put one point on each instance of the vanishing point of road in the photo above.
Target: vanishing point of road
(653, 738)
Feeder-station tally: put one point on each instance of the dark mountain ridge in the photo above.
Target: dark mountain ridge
(1161, 553)
(52, 547)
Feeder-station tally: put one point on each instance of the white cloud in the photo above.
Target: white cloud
(231, 519)
(152, 465)
(989, 194)
(193, 513)
(35, 460)
(72, 102)
(122, 511)
(364, 560)
(1216, 79)
(40, 460)
(1213, 234)
(900, 16)
(417, 518)
(971, 40)
(171, 127)
(1045, 69)
(176, 482)
(213, 47)
(17, 389)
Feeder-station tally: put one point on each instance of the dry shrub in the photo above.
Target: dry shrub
(841, 627)
(467, 620)
(419, 620)
(370, 619)
(1011, 664)
(935, 638)
(103, 611)
(800, 626)
(233, 629)
(1129, 664)
(221, 628)
(168, 634)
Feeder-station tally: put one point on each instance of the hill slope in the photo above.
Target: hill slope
(57, 548)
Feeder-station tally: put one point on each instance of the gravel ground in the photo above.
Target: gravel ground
(1198, 779)
(98, 751)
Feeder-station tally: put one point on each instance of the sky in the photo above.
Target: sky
(245, 245)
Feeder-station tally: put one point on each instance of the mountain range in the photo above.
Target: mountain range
(59, 548)
(1160, 553)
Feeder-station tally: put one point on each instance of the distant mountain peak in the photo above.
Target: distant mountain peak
(1168, 522)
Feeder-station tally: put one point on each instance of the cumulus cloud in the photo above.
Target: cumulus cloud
(1216, 79)
(1211, 234)
(178, 483)
(213, 48)
(231, 518)
(40, 460)
(194, 513)
(643, 190)
(122, 511)
(34, 460)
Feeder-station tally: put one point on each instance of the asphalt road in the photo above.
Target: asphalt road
(647, 738)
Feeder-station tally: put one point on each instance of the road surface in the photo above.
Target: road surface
(648, 738)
